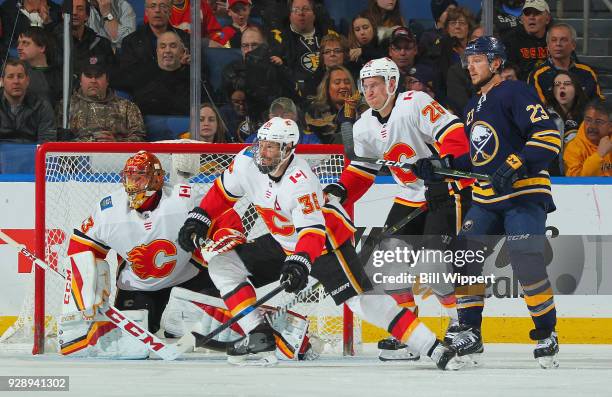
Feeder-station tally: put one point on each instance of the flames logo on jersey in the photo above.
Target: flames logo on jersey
(277, 223)
(401, 152)
(144, 259)
(87, 224)
(484, 143)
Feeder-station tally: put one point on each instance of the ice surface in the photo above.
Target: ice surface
(507, 370)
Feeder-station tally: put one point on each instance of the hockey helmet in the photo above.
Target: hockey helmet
(142, 176)
(285, 132)
(381, 67)
(487, 45)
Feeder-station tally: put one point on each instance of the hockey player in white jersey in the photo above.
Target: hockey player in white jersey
(406, 127)
(140, 222)
(306, 238)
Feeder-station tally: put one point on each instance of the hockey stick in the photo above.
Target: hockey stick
(346, 129)
(165, 350)
(202, 340)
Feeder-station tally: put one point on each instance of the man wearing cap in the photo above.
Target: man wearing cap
(97, 114)
(421, 78)
(403, 51)
(526, 44)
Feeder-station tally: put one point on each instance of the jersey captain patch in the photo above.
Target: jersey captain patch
(484, 142)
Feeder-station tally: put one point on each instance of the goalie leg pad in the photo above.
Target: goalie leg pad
(290, 328)
(188, 310)
(87, 284)
(100, 339)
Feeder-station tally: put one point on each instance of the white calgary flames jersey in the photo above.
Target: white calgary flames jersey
(414, 129)
(290, 207)
(147, 241)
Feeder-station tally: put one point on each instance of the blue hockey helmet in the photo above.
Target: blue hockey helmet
(488, 45)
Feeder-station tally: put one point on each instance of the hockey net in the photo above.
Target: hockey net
(72, 177)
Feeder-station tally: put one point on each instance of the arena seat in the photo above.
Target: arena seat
(160, 128)
(214, 60)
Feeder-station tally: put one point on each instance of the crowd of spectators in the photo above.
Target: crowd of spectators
(296, 62)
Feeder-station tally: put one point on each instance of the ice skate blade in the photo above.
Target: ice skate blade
(397, 355)
(266, 359)
(472, 360)
(548, 362)
(456, 363)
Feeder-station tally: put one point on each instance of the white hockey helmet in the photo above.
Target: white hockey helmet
(385, 68)
(285, 132)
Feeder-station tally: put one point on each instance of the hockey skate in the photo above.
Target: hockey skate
(546, 350)
(445, 357)
(468, 343)
(259, 344)
(452, 331)
(391, 349)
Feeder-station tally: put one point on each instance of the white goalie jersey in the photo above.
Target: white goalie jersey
(147, 241)
(417, 127)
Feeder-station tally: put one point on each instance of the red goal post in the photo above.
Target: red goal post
(72, 166)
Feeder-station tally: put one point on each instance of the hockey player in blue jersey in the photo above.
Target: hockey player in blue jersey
(513, 140)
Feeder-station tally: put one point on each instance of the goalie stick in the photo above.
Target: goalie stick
(346, 130)
(164, 350)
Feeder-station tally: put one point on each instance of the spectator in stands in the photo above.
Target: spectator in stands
(590, 153)
(163, 88)
(386, 15)
(449, 50)
(298, 45)
(113, 20)
(212, 129)
(239, 11)
(403, 51)
(526, 44)
(18, 15)
(36, 49)
(430, 38)
(24, 117)
(180, 18)
(97, 114)
(459, 88)
(363, 41)
(260, 74)
(334, 51)
(509, 71)
(234, 114)
(139, 49)
(568, 100)
(85, 42)
(421, 78)
(336, 87)
(561, 42)
(506, 15)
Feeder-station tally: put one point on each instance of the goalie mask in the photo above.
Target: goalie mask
(276, 141)
(142, 176)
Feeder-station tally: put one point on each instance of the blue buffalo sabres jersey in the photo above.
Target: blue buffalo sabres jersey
(511, 119)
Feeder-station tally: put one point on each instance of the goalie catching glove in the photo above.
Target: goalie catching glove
(195, 228)
(296, 269)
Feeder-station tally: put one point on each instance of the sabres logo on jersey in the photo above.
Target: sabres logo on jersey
(484, 143)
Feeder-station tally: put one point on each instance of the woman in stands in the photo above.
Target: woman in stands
(212, 129)
(336, 87)
(385, 14)
(568, 100)
(363, 41)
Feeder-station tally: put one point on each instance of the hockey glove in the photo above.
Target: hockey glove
(509, 172)
(437, 196)
(296, 269)
(336, 189)
(425, 168)
(195, 228)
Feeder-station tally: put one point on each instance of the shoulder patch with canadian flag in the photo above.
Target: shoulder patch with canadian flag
(184, 191)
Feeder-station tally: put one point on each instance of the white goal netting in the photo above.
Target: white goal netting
(76, 176)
